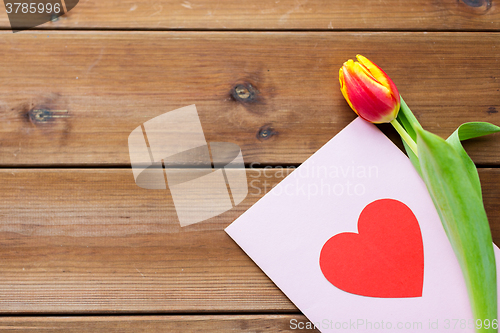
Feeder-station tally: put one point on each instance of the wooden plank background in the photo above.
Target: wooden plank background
(78, 238)
(156, 324)
(280, 15)
(110, 82)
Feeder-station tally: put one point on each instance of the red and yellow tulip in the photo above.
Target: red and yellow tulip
(372, 95)
(369, 91)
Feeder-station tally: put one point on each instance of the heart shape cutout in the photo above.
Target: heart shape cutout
(384, 259)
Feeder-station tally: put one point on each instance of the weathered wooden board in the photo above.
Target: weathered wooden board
(158, 324)
(280, 14)
(72, 98)
(81, 241)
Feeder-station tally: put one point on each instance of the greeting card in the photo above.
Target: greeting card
(353, 239)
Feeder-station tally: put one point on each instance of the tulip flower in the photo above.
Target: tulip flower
(372, 94)
(449, 174)
(369, 91)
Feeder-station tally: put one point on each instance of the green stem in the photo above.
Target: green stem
(409, 141)
(409, 115)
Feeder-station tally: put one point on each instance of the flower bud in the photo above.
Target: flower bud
(369, 91)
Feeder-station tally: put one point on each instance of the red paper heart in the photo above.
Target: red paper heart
(386, 257)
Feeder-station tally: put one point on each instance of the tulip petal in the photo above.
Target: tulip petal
(343, 89)
(378, 73)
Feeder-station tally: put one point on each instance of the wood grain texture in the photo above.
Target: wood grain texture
(72, 98)
(80, 241)
(283, 14)
(91, 241)
(157, 324)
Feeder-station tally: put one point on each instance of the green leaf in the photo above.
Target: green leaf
(464, 219)
(469, 131)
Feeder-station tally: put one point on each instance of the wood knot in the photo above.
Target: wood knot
(492, 110)
(244, 92)
(485, 5)
(266, 132)
(42, 116)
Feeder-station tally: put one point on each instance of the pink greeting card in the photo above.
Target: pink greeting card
(353, 239)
